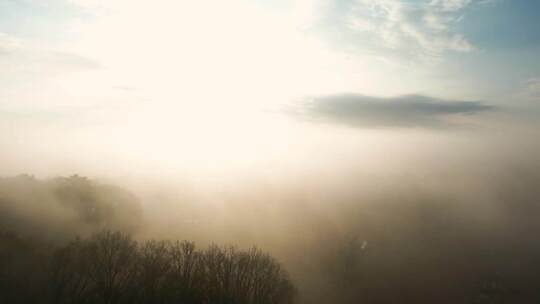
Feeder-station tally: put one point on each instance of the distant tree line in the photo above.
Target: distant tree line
(58, 209)
(111, 267)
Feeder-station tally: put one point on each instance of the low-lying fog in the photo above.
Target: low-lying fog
(428, 213)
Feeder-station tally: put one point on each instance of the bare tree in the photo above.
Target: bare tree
(252, 276)
(69, 281)
(111, 268)
(111, 258)
(152, 268)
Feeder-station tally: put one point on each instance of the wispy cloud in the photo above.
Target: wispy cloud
(426, 28)
(531, 92)
(533, 85)
(450, 5)
(402, 111)
(23, 56)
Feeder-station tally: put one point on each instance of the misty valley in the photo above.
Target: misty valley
(269, 152)
(78, 240)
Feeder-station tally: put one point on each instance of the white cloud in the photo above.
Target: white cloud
(38, 74)
(533, 88)
(450, 5)
(27, 57)
(425, 29)
(534, 84)
(527, 91)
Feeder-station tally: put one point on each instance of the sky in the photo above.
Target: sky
(200, 85)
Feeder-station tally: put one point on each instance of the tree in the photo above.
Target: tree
(98, 270)
(153, 264)
(111, 268)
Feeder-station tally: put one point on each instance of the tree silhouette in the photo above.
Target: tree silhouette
(111, 268)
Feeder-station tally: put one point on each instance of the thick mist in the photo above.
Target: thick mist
(374, 215)
(433, 220)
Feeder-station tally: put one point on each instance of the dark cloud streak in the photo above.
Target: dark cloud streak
(402, 111)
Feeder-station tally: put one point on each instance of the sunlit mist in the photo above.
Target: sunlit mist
(269, 152)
